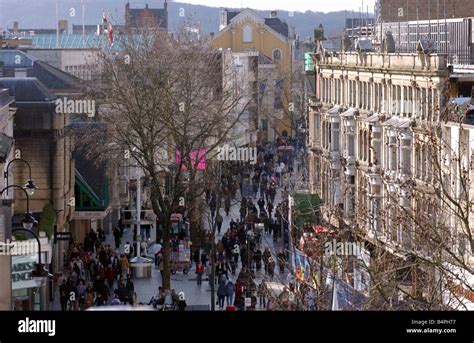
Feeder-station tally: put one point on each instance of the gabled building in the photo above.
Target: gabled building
(246, 31)
(145, 18)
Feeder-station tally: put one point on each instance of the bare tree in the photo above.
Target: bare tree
(164, 105)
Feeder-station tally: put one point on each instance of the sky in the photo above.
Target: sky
(289, 5)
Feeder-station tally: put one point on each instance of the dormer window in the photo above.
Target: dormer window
(248, 34)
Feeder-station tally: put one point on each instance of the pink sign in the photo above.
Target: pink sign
(194, 155)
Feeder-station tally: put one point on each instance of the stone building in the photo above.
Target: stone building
(137, 18)
(371, 158)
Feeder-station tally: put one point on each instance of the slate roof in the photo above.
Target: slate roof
(16, 59)
(6, 144)
(27, 89)
(231, 15)
(275, 23)
(279, 26)
(51, 77)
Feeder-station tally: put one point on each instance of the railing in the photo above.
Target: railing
(432, 62)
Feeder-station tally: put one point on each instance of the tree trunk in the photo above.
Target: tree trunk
(166, 282)
(194, 215)
(213, 274)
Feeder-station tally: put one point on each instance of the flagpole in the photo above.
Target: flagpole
(83, 24)
(83, 15)
(57, 24)
(335, 302)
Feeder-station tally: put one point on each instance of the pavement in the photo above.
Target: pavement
(197, 297)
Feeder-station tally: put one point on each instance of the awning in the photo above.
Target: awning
(350, 112)
(373, 118)
(391, 122)
(334, 110)
(397, 122)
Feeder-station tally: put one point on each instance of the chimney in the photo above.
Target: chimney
(223, 19)
(273, 14)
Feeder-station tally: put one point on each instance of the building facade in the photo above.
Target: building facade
(137, 18)
(246, 31)
(372, 150)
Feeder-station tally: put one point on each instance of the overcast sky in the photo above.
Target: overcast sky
(290, 5)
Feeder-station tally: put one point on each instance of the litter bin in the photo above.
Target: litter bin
(141, 267)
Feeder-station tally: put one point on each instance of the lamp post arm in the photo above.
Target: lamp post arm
(36, 237)
(26, 194)
(19, 159)
(8, 166)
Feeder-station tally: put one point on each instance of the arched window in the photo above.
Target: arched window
(276, 54)
(248, 35)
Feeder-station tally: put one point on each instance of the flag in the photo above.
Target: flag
(108, 29)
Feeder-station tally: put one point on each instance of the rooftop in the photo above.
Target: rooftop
(27, 89)
(51, 77)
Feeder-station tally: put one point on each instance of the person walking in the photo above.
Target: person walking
(124, 265)
(227, 205)
(117, 237)
(261, 292)
(271, 268)
(281, 260)
(266, 258)
(230, 290)
(221, 294)
(156, 251)
(261, 204)
(64, 295)
(219, 221)
(89, 298)
(199, 272)
(270, 209)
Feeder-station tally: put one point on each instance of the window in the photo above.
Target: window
(317, 121)
(248, 35)
(276, 54)
(335, 137)
(351, 145)
(278, 89)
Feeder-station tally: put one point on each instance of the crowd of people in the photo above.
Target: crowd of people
(98, 275)
(244, 246)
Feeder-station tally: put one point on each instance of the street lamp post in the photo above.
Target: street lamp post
(28, 221)
(29, 186)
(39, 274)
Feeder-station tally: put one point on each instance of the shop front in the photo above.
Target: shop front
(30, 293)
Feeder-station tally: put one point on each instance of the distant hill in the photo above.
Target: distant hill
(42, 14)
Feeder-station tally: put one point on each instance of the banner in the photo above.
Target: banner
(194, 156)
